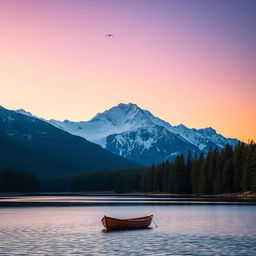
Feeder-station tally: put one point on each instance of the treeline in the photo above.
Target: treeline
(120, 181)
(15, 181)
(227, 171)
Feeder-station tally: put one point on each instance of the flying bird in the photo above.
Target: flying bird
(109, 35)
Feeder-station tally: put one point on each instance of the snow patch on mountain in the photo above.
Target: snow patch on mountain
(119, 119)
(148, 144)
(128, 130)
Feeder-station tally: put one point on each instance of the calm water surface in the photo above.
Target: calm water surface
(182, 230)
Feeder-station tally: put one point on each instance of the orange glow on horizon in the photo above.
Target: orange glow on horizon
(56, 62)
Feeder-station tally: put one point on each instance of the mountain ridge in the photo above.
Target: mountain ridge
(31, 144)
(121, 126)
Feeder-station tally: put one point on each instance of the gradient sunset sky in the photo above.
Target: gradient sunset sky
(189, 62)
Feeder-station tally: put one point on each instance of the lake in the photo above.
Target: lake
(192, 228)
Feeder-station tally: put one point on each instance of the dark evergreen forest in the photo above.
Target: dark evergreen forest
(120, 181)
(15, 181)
(226, 171)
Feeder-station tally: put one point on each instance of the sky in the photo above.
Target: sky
(189, 62)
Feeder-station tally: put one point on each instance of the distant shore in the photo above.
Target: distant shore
(64, 199)
(242, 195)
(248, 194)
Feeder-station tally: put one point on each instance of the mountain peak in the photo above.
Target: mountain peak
(128, 105)
(208, 131)
(126, 108)
(119, 114)
(132, 127)
(23, 112)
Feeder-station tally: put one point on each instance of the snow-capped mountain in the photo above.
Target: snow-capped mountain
(148, 144)
(28, 143)
(136, 134)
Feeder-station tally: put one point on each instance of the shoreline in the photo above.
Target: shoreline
(64, 199)
(239, 195)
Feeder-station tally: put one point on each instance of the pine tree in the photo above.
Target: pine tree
(188, 185)
(238, 160)
(254, 169)
(218, 176)
(179, 170)
(195, 173)
(166, 174)
(203, 177)
(213, 159)
(248, 168)
(227, 176)
(171, 178)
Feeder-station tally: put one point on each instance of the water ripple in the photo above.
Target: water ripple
(187, 230)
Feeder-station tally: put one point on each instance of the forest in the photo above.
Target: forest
(119, 181)
(16, 181)
(228, 170)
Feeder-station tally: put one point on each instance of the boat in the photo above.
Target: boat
(135, 223)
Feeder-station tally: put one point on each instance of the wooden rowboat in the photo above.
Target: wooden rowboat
(136, 223)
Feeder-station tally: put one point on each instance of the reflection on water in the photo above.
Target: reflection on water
(182, 230)
(113, 200)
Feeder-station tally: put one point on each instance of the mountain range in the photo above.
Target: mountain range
(30, 144)
(134, 133)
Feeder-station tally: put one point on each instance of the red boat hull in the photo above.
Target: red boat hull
(136, 223)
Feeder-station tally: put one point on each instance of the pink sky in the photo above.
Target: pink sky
(186, 63)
